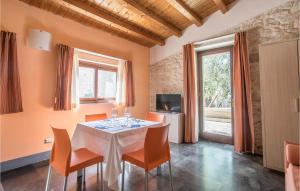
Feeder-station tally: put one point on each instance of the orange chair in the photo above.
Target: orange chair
(292, 166)
(95, 117)
(66, 161)
(156, 151)
(151, 116)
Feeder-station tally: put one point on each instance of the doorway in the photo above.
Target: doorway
(215, 94)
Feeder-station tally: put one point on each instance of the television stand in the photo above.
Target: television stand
(176, 121)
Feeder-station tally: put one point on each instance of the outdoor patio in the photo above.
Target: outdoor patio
(218, 121)
(217, 127)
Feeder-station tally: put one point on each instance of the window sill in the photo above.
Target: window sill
(92, 101)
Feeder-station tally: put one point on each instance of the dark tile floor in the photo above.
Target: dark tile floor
(204, 166)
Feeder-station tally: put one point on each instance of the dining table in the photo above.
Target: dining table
(111, 138)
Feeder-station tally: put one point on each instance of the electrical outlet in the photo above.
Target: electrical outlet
(48, 140)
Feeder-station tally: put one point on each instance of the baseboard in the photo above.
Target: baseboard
(24, 161)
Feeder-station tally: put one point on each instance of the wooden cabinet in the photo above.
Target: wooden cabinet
(279, 77)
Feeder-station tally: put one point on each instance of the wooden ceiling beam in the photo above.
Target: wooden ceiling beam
(186, 11)
(87, 21)
(102, 15)
(132, 4)
(221, 5)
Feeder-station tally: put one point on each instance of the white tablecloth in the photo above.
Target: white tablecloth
(111, 138)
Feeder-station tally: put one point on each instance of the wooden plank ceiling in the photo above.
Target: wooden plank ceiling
(147, 22)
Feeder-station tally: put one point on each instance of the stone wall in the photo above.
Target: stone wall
(278, 24)
(166, 76)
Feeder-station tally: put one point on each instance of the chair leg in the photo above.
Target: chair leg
(129, 167)
(97, 172)
(83, 179)
(102, 183)
(146, 181)
(65, 183)
(158, 170)
(123, 175)
(48, 178)
(83, 176)
(171, 178)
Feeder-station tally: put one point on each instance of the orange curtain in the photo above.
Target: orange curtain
(129, 85)
(64, 78)
(189, 93)
(243, 119)
(10, 89)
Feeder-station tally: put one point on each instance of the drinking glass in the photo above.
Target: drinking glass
(127, 115)
(114, 113)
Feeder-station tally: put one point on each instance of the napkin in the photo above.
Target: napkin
(100, 127)
(135, 125)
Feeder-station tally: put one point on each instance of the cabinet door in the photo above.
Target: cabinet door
(279, 90)
(173, 128)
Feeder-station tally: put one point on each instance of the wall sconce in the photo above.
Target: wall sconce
(39, 39)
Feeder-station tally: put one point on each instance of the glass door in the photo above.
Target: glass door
(215, 85)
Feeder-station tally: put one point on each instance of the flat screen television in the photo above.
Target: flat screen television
(168, 102)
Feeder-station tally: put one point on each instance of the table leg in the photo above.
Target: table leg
(79, 179)
(158, 170)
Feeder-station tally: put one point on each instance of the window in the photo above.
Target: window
(107, 84)
(215, 77)
(86, 82)
(97, 82)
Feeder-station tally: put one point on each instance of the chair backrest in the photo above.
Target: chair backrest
(291, 154)
(95, 117)
(157, 145)
(61, 151)
(151, 116)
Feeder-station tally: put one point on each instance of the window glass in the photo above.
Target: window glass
(216, 75)
(107, 84)
(86, 82)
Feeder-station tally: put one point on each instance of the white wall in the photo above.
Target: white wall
(240, 11)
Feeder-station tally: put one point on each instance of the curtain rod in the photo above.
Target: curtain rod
(96, 62)
(97, 54)
(228, 34)
(214, 39)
